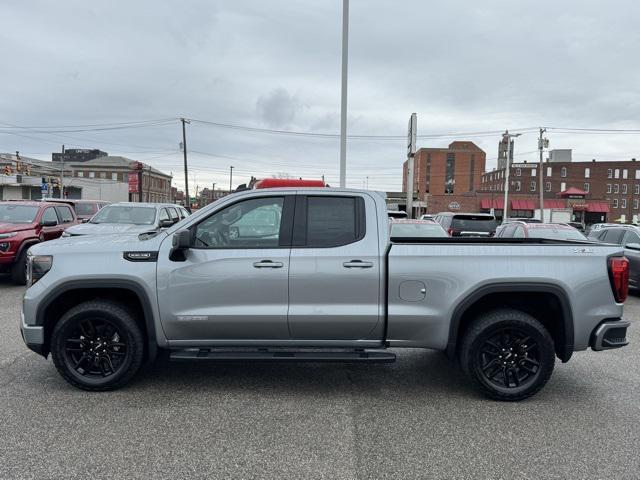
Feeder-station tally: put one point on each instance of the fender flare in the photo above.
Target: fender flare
(134, 287)
(566, 350)
(29, 242)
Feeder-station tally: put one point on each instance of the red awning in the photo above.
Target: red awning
(522, 205)
(554, 204)
(599, 207)
(496, 203)
(572, 191)
(485, 203)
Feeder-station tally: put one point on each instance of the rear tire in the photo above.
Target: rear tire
(508, 354)
(19, 269)
(97, 346)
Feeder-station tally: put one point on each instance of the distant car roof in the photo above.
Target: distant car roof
(550, 225)
(488, 215)
(142, 204)
(414, 220)
(34, 203)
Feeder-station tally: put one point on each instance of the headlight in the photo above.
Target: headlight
(8, 235)
(37, 267)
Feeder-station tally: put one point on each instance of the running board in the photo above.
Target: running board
(189, 354)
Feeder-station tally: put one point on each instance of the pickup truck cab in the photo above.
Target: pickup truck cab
(24, 223)
(312, 274)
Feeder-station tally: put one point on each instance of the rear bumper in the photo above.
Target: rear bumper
(610, 334)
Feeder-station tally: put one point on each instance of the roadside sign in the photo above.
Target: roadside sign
(44, 187)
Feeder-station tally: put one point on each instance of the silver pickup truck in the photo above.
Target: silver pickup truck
(312, 275)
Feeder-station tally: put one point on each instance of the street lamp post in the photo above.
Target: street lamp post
(508, 136)
(343, 99)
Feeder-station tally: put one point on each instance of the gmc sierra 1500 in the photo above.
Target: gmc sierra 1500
(311, 274)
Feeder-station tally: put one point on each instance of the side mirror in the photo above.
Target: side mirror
(48, 223)
(180, 243)
(85, 220)
(633, 246)
(166, 223)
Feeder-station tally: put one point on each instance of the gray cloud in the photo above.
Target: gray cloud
(278, 108)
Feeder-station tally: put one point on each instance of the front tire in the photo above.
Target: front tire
(508, 354)
(97, 346)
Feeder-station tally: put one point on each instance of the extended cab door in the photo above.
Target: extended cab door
(233, 282)
(335, 271)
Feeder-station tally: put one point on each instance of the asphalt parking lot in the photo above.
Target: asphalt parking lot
(416, 418)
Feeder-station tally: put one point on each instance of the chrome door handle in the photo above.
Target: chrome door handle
(268, 264)
(357, 264)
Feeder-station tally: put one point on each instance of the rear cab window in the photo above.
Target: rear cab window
(328, 221)
(473, 223)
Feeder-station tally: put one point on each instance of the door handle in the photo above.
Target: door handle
(268, 264)
(357, 264)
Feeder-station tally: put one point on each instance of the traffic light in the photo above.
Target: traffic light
(7, 169)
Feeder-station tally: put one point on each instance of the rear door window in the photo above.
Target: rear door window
(331, 221)
(173, 214)
(614, 235)
(631, 237)
(64, 212)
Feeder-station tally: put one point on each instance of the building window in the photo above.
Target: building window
(608, 188)
(533, 172)
(547, 186)
(518, 172)
(491, 177)
(616, 188)
(472, 171)
(624, 188)
(637, 174)
(92, 174)
(103, 174)
(587, 172)
(635, 203)
(586, 187)
(532, 186)
(563, 172)
(563, 187)
(609, 173)
(450, 169)
(623, 203)
(615, 203)
(549, 170)
(616, 173)
(625, 173)
(80, 174)
(518, 185)
(114, 176)
(636, 189)
(125, 177)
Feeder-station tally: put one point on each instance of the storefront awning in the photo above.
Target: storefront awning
(599, 207)
(488, 203)
(554, 204)
(522, 205)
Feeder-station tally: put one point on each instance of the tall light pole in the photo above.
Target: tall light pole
(542, 143)
(187, 202)
(230, 179)
(343, 99)
(508, 137)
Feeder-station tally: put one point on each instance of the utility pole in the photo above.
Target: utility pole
(411, 152)
(61, 173)
(343, 99)
(542, 143)
(186, 171)
(508, 137)
(230, 179)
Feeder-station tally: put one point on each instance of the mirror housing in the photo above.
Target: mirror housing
(48, 223)
(85, 220)
(166, 223)
(180, 243)
(633, 246)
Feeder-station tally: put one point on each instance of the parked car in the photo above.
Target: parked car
(524, 219)
(25, 223)
(577, 225)
(596, 227)
(628, 237)
(406, 228)
(129, 217)
(467, 224)
(397, 214)
(553, 231)
(427, 216)
(85, 209)
(325, 284)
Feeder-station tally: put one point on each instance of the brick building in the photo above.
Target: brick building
(155, 186)
(446, 175)
(595, 191)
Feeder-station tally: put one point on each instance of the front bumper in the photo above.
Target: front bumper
(610, 334)
(33, 335)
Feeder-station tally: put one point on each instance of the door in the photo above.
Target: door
(633, 256)
(52, 231)
(233, 283)
(335, 271)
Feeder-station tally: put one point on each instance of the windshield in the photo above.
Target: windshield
(470, 223)
(423, 230)
(125, 214)
(17, 213)
(85, 208)
(556, 233)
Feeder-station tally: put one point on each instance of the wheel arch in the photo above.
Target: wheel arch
(26, 244)
(537, 299)
(71, 293)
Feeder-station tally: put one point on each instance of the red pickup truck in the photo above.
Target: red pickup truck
(24, 223)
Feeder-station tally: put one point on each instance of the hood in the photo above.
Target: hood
(98, 244)
(109, 229)
(15, 227)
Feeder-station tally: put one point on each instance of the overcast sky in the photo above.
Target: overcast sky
(463, 66)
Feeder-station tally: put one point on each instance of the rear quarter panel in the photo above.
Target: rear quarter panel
(452, 272)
